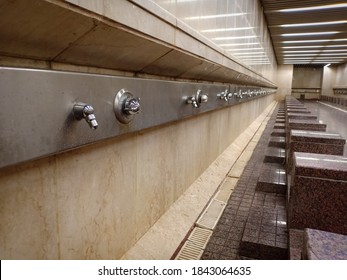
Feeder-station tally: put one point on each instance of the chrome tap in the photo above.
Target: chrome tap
(126, 106)
(197, 99)
(225, 95)
(132, 105)
(85, 111)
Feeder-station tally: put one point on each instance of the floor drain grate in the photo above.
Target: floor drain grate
(194, 247)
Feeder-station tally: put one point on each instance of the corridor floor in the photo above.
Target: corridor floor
(260, 217)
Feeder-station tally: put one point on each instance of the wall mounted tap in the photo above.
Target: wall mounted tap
(125, 106)
(225, 95)
(85, 111)
(197, 99)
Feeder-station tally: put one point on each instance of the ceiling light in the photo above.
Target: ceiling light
(215, 16)
(314, 46)
(315, 8)
(309, 34)
(234, 38)
(316, 54)
(225, 29)
(314, 23)
(327, 65)
(314, 41)
(314, 51)
(237, 44)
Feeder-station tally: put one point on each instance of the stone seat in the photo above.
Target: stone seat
(277, 141)
(278, 132)
(275, 155)
(265, 236)
(323, 245)
(301, 116)
(318, 192)
(272, 179)
(306, 125)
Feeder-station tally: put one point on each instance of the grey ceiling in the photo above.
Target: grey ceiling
(315, 35)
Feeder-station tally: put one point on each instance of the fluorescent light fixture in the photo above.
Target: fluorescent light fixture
(233, 38)
(327, 65)
(309, 34)
(225, 29)
(314, 23)
(215, 16)
(315, 41)
(315, 8)
(237, 44)
(315, 51)
(314, 46)
(332, 54)
(315, 54)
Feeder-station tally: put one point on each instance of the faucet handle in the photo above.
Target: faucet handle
(85, 111)
(197, 99)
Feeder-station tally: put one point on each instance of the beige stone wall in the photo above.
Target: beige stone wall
(96, 202)
(284, 81)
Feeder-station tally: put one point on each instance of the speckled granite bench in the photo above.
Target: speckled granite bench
(323, 245)
(318, 192)
(306, 125)
(301, 116)
(317, 142)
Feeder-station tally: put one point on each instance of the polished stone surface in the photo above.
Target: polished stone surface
(275, 155)
(334, 117)
(306, 125)
(316, 142)
(277, 141)
(318, 193)
(301, 116)
(322, 245)
(296, 239)
(278, 132)
(272, 179)
(231, 237)
(317, 137)
(300, 111)
(320, 166)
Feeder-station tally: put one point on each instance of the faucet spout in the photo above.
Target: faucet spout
(85, 111)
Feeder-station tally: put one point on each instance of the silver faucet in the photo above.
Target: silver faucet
(85, 111)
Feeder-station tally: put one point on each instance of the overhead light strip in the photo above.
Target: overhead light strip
(309, 34)
(313, 46)
(314, 41)
(314, 23)
(314, 8)
(315, 51)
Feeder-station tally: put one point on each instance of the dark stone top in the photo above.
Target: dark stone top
(323, 245)
(306, 124)
(316, 137)
(320, 166)
(301, 111)
(301, 116)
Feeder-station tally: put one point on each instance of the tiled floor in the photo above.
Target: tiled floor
(253, 224)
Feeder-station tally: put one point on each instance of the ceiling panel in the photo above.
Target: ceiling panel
(307, 31)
